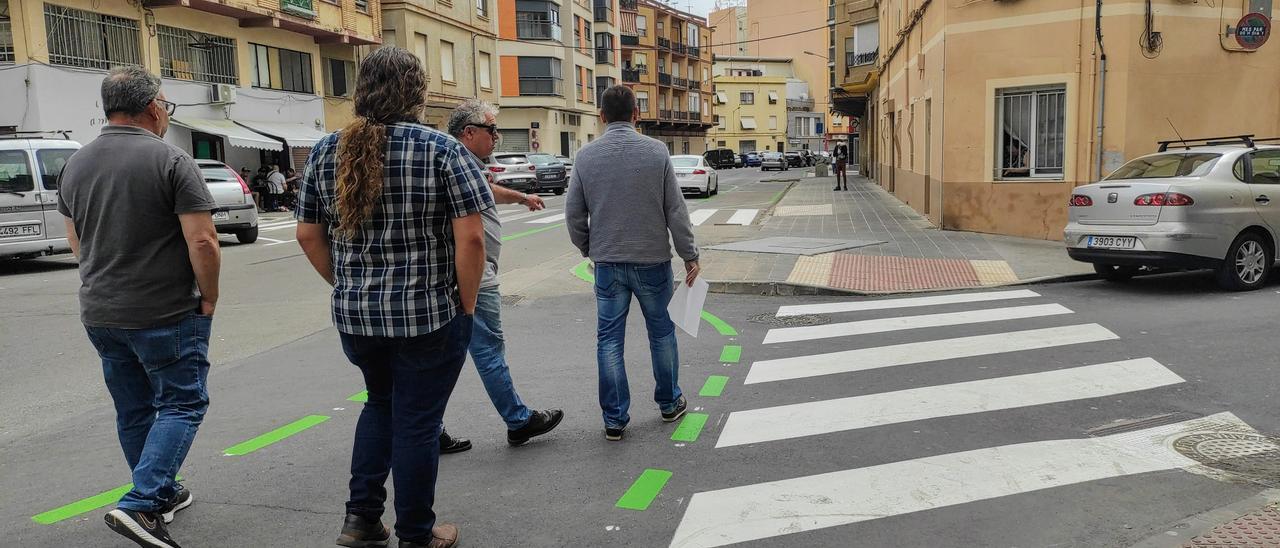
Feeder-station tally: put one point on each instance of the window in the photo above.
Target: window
(747, 122)
(1030, 132)
(864, 47)
(577, 31)
(6, 35)
(773, 122)
(540, 76)
(538, 20)
(1265, 168)
(692, 33)
(604, 48)
(282, 69)
(693, 102)
(603, 83)
(485, 67)
(79, 38)
(747, 97)
(706, 76)
(362, 6)
(1169, 165)
(705, 107)
(773, 97)
(15, 172)
(420, 47)
(720, 121)
(641, 62)
(642, 101)
(589, 82)
(482, 8)
(195, 56)
(52, 160)
(339, 77)
(446, 62)
(720, 144)
(746, 147)
(642, 25)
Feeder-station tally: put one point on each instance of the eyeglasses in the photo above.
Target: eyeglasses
(492, 129)
(169, 107)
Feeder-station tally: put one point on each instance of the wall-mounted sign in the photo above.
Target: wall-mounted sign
(1253, 30)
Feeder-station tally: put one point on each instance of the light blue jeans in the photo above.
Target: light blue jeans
(652, 285)
(489, 352)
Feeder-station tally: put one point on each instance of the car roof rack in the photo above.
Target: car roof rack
(6, 134)
(1246, 140)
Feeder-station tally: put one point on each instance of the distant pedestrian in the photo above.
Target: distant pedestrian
(260, 187)
(841, 155)
(389, 214)
(475, 124)
(276, 185)
(623, 202)
(138, 219)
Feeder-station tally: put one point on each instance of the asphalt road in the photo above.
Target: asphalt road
(1046, 417)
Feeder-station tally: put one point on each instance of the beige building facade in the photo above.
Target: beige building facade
(664, 59)
(729, 31)
(856, 76)
(751, 112)
(1028, 115)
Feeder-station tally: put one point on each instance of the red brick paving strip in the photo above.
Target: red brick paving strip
(1260, 529)
(875, 273)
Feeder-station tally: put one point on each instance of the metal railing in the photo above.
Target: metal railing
(541, 85)
(695, 116)
(853, 59)
(604, 14)
(664, 79)
(199, 57)
(695, 51)
(79, 38)
(680, 83)
(631, 76)
(679, 47)
(665, 114)
(538, 29)
(664, 43)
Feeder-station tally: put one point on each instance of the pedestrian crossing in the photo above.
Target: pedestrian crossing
(771, 510)
(742, 217)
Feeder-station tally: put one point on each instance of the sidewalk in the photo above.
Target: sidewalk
(895, 249)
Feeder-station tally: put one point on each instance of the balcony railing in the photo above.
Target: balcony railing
(629, 5)
(538, 29)
(664, 79)
(680, 83)
(664, 43)
(604, 14)
(630, 40)
(631, 76)
(604, 57)
(852, 59)
(695, 116)
(682, 115)
(679, 48)
(695, 51)
(665, 114)
(541, 85)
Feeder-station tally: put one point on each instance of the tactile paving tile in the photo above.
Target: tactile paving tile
(1260, 529)
(812, 270)
(875, 273)
(798, 210)
(993, 272)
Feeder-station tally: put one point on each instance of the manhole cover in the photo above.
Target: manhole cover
(1251, 455)
(789, 321)
(511, 300)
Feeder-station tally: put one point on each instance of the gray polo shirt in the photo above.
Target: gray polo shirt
(123, 192)
(492, 246)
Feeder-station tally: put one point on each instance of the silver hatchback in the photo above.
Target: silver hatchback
(1198, 207)
(236, 213)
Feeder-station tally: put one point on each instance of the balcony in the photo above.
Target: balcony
(631, 76)
(680, 83)
(679, 48)
(665, 115)
(664, 79)
(604, 14)
(604, 56)
(630, 40)
(695, 116)
(854, 59)
(298, 16)
(538, 29)
(664, 43)
(541, 86)
(629, 5)
(695, 51)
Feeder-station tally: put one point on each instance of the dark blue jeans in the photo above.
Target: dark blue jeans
(157, 378)
(409, 380)
(653, 286)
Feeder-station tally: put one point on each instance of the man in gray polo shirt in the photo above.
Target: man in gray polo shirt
(474, 124)
(137, 215)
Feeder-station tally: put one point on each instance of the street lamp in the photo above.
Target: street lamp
(807, 52)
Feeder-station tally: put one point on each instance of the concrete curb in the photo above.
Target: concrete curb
(788, 289)
(1183, 530)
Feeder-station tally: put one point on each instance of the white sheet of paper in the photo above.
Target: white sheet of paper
(686, 305)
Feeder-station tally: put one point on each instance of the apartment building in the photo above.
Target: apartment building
(752, 113)
(729, 30)
(803, 125)
(551, 76)
(256, 79)
(664, 61)
(457, 43)
(1027, 118)
(856, 74)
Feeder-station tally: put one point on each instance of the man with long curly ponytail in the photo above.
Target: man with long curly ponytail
(389, 214)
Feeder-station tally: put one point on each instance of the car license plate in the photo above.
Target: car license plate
(221, 215)
(18, 231)
(1112, 242)
(547, 176)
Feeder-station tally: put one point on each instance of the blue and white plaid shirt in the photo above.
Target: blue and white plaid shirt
(396, 277)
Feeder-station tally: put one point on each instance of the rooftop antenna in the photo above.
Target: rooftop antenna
(1175, 130)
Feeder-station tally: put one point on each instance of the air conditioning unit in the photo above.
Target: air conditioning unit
(222, 93)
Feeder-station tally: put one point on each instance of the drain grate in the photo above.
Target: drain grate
(511, 300)
(789, 321)
(1251, 455)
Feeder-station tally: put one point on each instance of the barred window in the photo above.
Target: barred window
(1031, 132)
(195, 56)
(79, 38)
(6, 34)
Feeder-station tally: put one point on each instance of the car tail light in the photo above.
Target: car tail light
(497, 169)
(243, 186)
(1080, 200)
(699, 172)
(1163, 199)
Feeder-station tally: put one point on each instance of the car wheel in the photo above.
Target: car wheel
(1115, 273)
(706, 192)
(247, 236)
(559, 191)
(716, 188)
(1247, 264)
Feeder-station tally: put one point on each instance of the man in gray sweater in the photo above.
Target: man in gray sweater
(623, 201)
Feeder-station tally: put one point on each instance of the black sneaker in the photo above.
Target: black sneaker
(540, 422)
(614, 434)
(450, 444)
(681, 406)
(361, 532)
(144, 528)
(180, 502)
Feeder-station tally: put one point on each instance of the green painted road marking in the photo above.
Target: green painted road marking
(361, 397)
(530, 232)
(690, 427)
(724, 328)
(714, 386)
(83, 505)
(246, 447)
(583, 271)
(731, 353)
(644, 490)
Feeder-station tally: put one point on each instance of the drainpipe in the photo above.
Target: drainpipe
(475, 70)
(1102, 84)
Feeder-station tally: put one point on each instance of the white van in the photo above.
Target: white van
(30, 225)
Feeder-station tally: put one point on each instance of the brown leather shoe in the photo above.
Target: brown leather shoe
(444, 535)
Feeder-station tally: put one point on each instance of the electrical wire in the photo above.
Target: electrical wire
(1151, 41)
(658, 49)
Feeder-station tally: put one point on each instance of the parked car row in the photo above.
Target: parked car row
(722, 158)
(531, 172)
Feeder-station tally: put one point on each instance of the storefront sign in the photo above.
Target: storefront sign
(1253, 30)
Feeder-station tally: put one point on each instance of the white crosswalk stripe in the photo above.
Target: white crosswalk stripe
(700, 216)
(864, 327)
(548, 220)
(887, 304)
(742, 217)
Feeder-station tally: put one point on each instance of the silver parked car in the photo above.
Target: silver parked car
(1215, 206)
(236, 213)
(773, 160)
(513, 170)
(30, 164)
